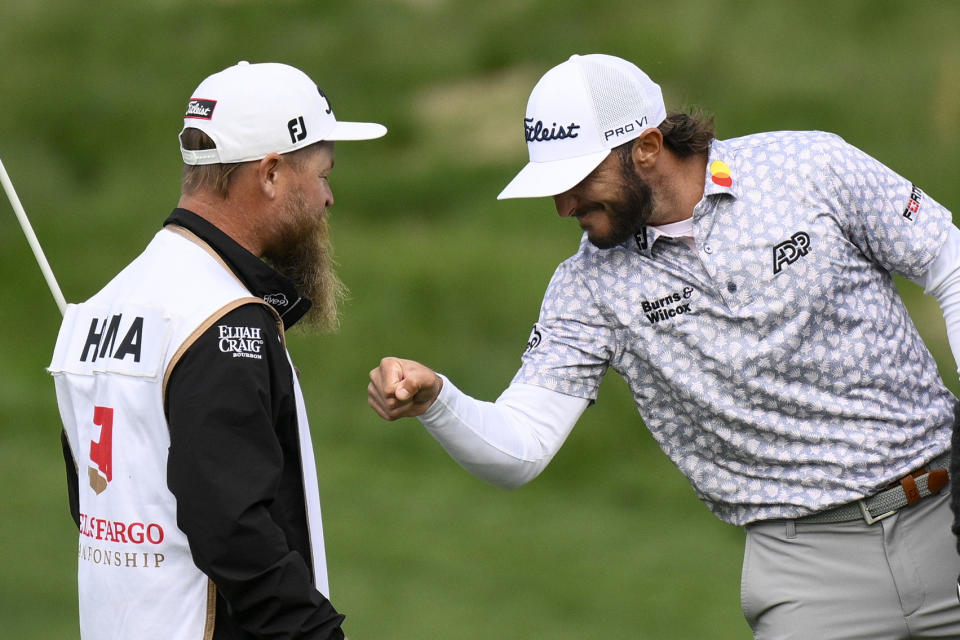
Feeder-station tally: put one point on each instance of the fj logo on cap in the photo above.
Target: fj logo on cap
(297, 129)
(202, 109)
(539, 133)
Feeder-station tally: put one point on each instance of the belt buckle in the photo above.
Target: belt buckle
(869, 518)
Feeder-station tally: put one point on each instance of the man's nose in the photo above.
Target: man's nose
(566, 204)
(329, 197)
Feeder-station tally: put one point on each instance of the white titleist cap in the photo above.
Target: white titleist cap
(250, 110)
(577, 113)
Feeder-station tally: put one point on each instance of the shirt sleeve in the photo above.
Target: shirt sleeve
(942, 281)
(226, 468)
(507, 442)
(573, 342)
(890, 219)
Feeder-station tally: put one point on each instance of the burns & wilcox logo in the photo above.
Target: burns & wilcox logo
(669, 306)
(789, 251)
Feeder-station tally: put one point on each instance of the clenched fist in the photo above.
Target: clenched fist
(402, 388)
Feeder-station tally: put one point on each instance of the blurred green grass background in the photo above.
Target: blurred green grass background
(609, 542)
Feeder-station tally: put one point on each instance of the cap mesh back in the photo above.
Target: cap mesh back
(616, 97)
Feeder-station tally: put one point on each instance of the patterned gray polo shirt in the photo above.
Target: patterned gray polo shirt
(777, 366)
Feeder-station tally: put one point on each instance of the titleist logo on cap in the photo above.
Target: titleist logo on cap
(538, 132)
(202, 109)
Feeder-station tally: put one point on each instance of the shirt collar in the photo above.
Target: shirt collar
(721, 179)
(260, 278)
(648, 236)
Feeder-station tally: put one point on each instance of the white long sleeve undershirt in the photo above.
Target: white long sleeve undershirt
(507, 442)
(510, 441)
(942, 281)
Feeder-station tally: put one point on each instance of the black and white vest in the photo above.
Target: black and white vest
(113, 357)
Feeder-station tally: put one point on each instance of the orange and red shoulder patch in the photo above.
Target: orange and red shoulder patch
(720, 173)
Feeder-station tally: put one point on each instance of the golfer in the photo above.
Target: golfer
(189, 458)
(744, 290)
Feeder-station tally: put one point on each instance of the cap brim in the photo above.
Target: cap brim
(540, 179)
(356, 131)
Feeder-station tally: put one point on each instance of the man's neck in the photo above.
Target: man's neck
(227, 216)
(682, 186)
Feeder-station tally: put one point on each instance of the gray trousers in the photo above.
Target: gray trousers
(893, 580)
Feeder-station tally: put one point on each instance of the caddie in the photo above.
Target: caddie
(189, 459)
(744, 290)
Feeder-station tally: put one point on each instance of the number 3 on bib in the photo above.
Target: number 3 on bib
(101, 452)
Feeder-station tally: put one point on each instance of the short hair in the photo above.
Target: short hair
(685, 134)
(216, 177)
(688, 134)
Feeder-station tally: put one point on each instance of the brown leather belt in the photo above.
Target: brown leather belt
(906, 491)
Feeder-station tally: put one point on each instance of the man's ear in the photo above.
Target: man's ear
(268, 174)
(646, 148)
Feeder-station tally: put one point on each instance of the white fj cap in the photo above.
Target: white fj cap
(250, 110)
(578, 112)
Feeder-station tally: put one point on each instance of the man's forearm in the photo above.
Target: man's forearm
(507, 442)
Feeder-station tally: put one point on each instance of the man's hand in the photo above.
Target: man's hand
(402, 388)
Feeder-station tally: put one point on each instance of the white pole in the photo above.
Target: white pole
(32, 239)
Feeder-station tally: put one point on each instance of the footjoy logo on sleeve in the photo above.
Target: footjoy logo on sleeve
(199, 108)
(242, 342)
